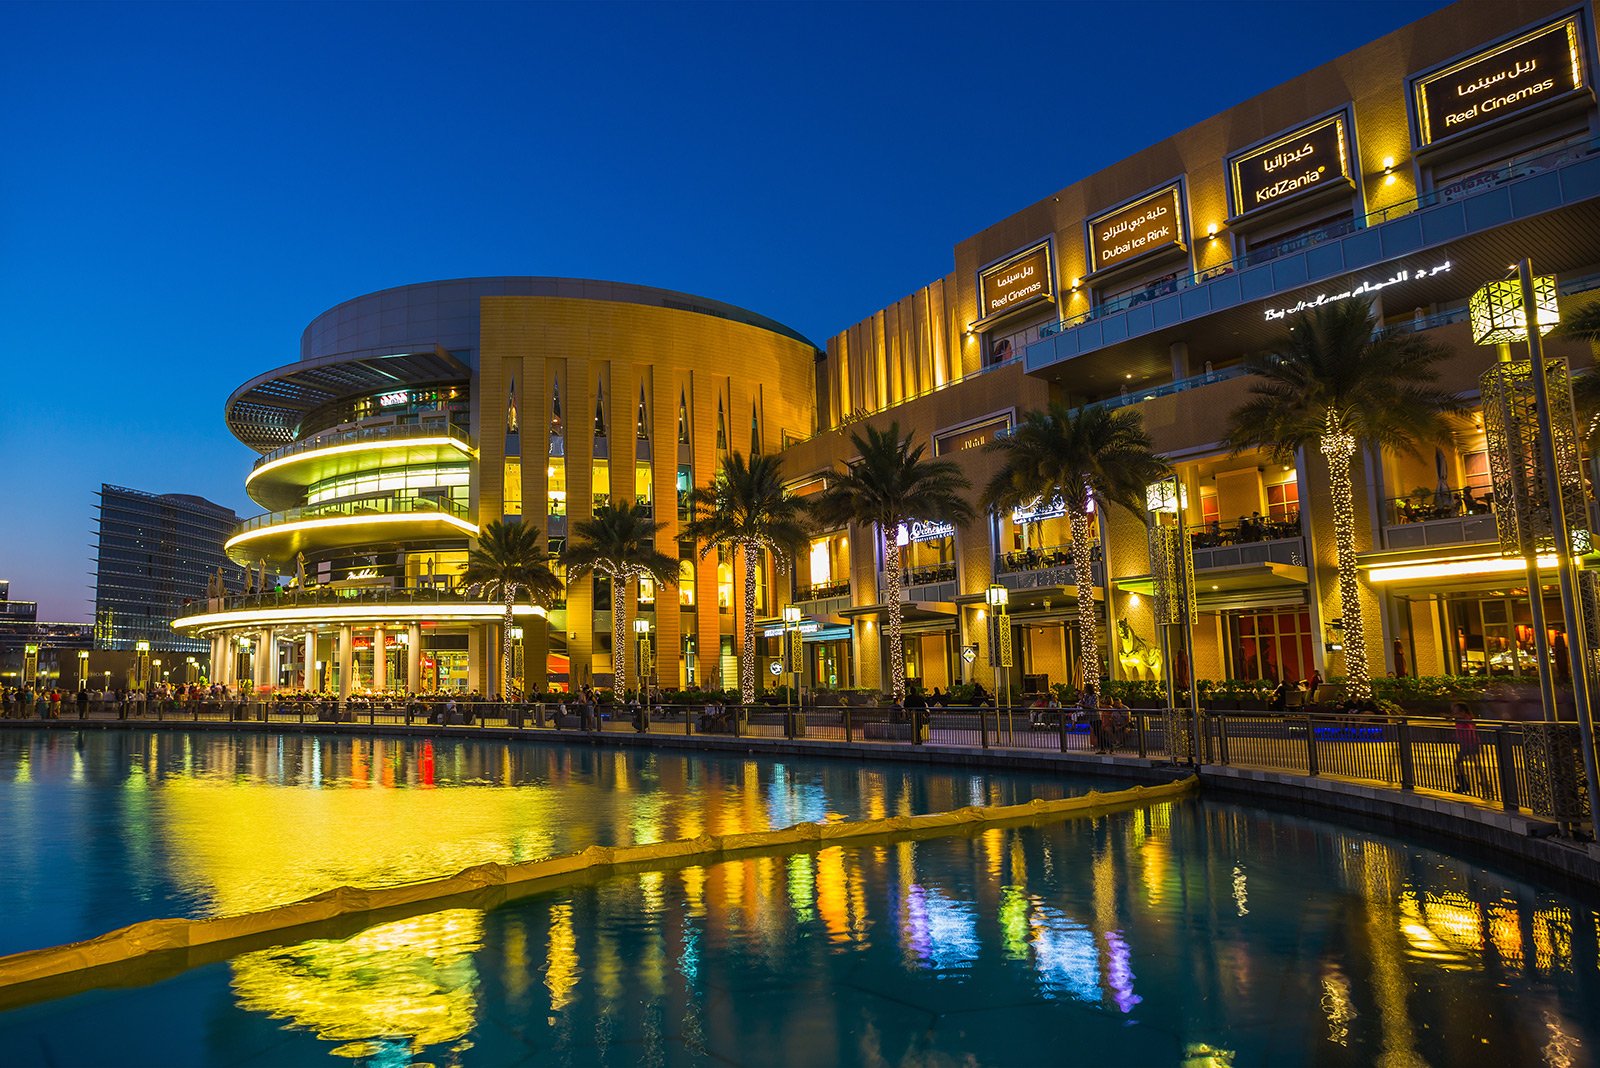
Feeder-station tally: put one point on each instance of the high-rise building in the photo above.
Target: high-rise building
(156, 554)
(34, 653)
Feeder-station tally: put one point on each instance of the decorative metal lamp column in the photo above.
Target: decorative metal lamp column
(519, 664)
(1541, 511)
(1172, 575)
(997, 597)
(791, 632)
(83, 669)
(141, 666)
(641, 627)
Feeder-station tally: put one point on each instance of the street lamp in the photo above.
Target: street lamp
(518, 663)
(83, 669)
(791, 632)
(641, 627)
(997, 597)
(141, 666)
(1541, 507)
(1172, 574)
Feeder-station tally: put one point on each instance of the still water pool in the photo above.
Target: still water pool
(1185, 933)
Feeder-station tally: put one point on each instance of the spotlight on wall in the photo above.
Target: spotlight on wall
(1211, 231)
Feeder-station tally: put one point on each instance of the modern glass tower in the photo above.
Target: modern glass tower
(156, 554)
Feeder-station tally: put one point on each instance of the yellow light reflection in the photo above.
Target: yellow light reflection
(561, 958)
(411, 981)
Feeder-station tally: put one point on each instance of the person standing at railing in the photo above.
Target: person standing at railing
(1468, 748)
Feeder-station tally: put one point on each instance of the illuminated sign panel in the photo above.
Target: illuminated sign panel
(1365, 289)
(1022, 280)
(1510, 78)
(972, 437)
(1147, 225)
(1312, 157)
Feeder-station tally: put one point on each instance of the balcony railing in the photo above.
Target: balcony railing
(930, 575)
(821, 591)
(392, 433)
(1246, 530)
(1425, 506)
(365, 506)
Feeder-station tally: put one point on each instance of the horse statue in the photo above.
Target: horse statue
(1139, 659)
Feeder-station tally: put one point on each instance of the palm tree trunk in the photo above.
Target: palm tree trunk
(897, 652)
(747, 653)
(505, 644)
(619, 634)
(1088, 618)
(1339, 449)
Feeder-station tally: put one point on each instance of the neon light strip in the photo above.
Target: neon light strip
(462, 525)
(353, 612)
(1495, 565)
(358, 446)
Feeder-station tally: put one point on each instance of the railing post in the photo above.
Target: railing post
(738, 721)
(849, 733)
(983, 725)
(688, 723)
(1408, 767)
(1311, 747)
(1061, 724)
(1138, 726)
(1222, 738)
(1505, 757)
(788, 722)
(916, 726)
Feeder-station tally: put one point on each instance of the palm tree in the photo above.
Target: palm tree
(1090, 453)
(1334, 380)
(619, 543)
(889, 484)
(509, 560)
(746, 509)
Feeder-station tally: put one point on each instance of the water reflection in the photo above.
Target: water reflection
(1120, 938)
(106, 828)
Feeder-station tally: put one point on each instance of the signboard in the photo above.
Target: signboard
(776, 667)
(924, 530)
(1508, 79)
(972, 437)
(1022, 280)
(1312, 157)
(1147, 225)
(1366, 288)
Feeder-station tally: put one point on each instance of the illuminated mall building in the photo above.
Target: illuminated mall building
(1408, 173)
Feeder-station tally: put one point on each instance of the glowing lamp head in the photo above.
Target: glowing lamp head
(641, 627)
(996, 596)
(791, 613)
(1497, 312)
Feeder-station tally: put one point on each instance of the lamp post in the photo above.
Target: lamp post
(641, 627)
(1172, 574)
(245, 666)
(141, 666)
(1541, 508)
(791, 632)
(997, 597)
(83, 669)
(190, 671)
(518, 664)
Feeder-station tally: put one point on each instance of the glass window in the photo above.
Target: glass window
(602, 484)
(556, 488)
(641, 482)
(686, 583)
(1283, 502)
(512, 494)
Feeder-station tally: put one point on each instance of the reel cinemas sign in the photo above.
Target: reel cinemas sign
(1312, 157)
(1149, 223)
(1017, 282)
(1521, 74)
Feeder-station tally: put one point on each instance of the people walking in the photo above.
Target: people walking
(1468, 748)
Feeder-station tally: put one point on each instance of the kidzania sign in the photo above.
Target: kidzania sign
(1517, 76)
(1312, 157)
(1018, 282)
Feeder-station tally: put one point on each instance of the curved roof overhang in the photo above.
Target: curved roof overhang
(266, 411)
(207, 622)
(283, 540)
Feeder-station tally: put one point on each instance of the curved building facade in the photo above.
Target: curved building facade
(417, 414)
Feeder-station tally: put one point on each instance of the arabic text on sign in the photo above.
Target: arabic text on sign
(1540, 66)
(1365, 288)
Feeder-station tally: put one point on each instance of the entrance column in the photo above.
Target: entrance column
(414, 659)
(346, 662)
(475, 645)
(308, 674)
(217, 646)
(380, 659)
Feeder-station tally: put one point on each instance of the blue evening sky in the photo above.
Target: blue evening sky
(183, 187)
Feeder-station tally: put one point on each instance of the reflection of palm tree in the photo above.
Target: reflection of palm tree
(1090, 453)
(746, 509)
(619, 543)
(891, 484)
(1332, 380)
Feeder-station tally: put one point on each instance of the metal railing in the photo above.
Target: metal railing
(1246, 531)
(1446, 502)
(1485, 763)
(373, 506)
(820, 591)
(389, 432)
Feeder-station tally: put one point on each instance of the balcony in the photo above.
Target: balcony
(935, 582)
(1029, 569)
(1475, 217)
(1444, 516)
(279, 536)
(279, 478)
(336, 603)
